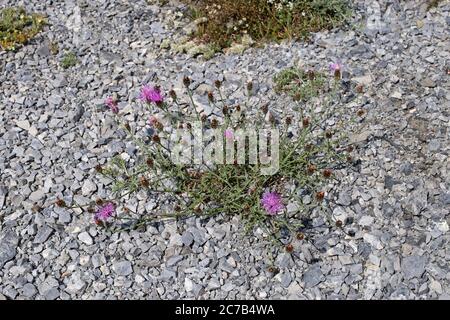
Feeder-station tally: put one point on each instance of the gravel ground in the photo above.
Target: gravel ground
(53, 132)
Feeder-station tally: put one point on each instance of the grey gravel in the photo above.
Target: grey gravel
(393, 200)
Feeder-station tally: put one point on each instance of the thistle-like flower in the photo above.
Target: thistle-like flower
(105, 212)
(272, 203)
(336, 69)
(111, 103)
(229, 134)
(151, 94)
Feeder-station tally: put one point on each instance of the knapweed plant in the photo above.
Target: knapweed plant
(227, 21)
(17, 27)
(224, 159)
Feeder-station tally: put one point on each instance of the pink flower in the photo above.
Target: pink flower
(336, 66)
(229, 134)
(151, 94)
(152, 121)
(272, 203)
(105, 212)
(111, 103)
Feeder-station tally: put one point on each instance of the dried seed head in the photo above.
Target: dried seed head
(186, 81)
(360, 88)
(159, 126)
(127, 126)
(289, 248)
(156, 139)
(320, 195)
(144, 182)
(311, 74)
(225, 110)
(288, 121)
(328, 134)
(350, 148)
(99, 201)
(90, 210)
(297, 97)
(177, 208)
(149, 163)
(210, 97)
(203, 118)
(99, 168)
(338, 223)
(327, 173)
(249, 86)
(349, 158)
(308, 147)
(305, 122)
(238, 108)
(173, 94)
(198, 209)
(60, 203)
(218, 84)
(265, 108)
(311, 169)
(189, 126)
(273, 269)
(214, 123)
(337, 74)
(360, 112)
(300, 236)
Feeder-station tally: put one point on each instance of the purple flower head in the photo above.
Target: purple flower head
(336, 69)
(151, 94)
(336, 66)
(272, 203)
(229, 134)
(105, 212)
(111, 103)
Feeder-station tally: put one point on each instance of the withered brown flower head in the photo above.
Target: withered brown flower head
(203, 118)
(99, 201)
(338, 223)
(320, 195)
(265, 108)
(186, 81)
(273, 269)
(144, 182)
(350, 148)
(288, 121)
(127, 126)
(360, 88)
(297, 97)
(210, 97)
(327, 173)
(311, 169)
(225, 110)
(328, 134)
(156, 139)
(250, 86)
(218, 84)
(305, 122)
(159, 126)
(311, 74)
(360, 112)
(300, 236)
(60, 203)
(238, 108)
(173, 94)
(289, 248)
(214, 123)
(99, 168)
(149, 162)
